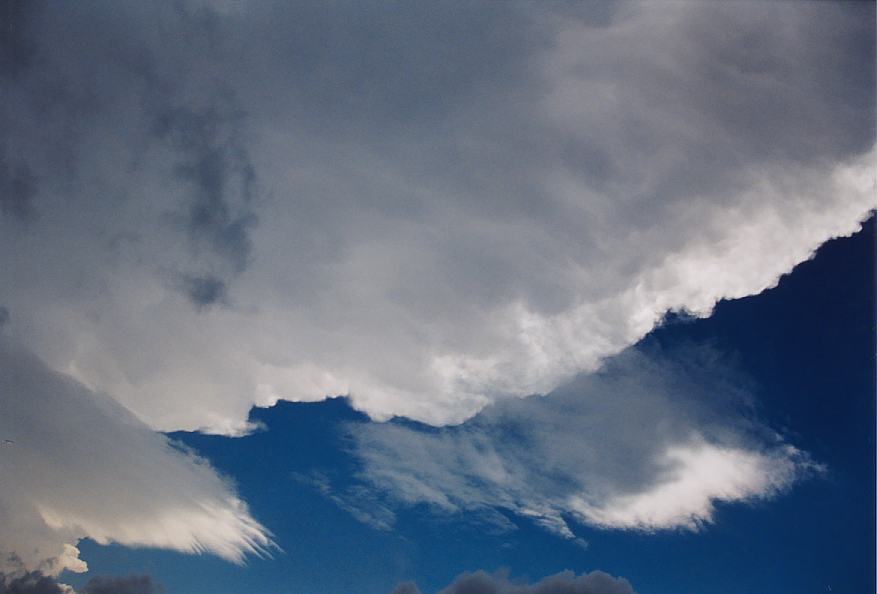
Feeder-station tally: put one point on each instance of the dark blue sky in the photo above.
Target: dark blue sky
(806, 349)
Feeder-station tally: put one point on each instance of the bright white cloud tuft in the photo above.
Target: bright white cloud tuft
(77, 465)
(696, 476)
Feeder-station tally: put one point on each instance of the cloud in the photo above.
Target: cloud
(81, 466)
(441, 225)
(32, 583)
(132, 584)
(17, 189)
(566, 582)
(652, 442)
(433, 211)
(35, 582)
(215, 164)
(205, 291)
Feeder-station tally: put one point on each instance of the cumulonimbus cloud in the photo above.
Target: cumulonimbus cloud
(234, 212)
(206, 207)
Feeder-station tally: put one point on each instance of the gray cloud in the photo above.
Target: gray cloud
(33, 582)
(36, 582)
(17, 189)
(455, 206)
(566, 582)
(132, 584)
(16, 48)
(89, 141)
(205, 291)
(222, 179)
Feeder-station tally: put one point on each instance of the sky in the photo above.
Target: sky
(460, 297)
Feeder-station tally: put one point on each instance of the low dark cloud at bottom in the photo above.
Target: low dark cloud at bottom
(565, 582)
(35, 582)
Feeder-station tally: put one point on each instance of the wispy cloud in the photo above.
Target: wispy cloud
(653, 442)
(76, 465)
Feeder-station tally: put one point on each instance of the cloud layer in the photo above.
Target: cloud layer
(652, 442)
(207, 207)
(76, 465)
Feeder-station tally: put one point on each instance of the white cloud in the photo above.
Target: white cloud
(431, 248)
(697, 475)
(78, 465)
(651, 443)
(274, 203)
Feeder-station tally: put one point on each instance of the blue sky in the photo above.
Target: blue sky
(361, 296)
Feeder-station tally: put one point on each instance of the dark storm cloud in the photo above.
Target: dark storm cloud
(567, 582)
(17, 189)
(109, 101)
(132, 584)
(35, 582)
(16, 48)
(215, 166)
(205, 291)
(32, 582)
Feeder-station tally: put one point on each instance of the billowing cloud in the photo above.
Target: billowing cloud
(76, 465)
(652, 442)
(566, 582)
(426, 209)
